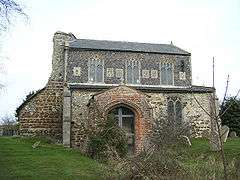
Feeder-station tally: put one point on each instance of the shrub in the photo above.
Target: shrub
(110, 142)
(169, 134)
(231, 117)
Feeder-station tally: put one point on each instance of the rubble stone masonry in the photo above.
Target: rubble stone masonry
(42, 114)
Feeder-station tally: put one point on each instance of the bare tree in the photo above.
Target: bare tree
(8, 120)
(8, 10)
(215, 116)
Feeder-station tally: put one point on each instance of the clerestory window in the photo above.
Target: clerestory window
(166, 70)
(133, 72)
(95, 71)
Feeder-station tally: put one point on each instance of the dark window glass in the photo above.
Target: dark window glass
(126, 111)
(99, 72)
(95, 71)
(125, 118)
(129, 72)
(182, 65)
(174, 111)
(127, 124)
(166, 74)
(163, 74)
(170, 110)
(133, 70)
(178, 111)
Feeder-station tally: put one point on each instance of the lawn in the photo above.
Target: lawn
(201, 146)
(18, 160)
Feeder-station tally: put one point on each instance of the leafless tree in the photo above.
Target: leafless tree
(8, 10)
(7, 120)
(215, 116)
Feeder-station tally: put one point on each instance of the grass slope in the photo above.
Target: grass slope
(18, 160)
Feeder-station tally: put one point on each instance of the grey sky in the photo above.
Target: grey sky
(204, 28)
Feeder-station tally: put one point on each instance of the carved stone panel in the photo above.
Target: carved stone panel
(182, 75)
(110, 72)
(77, 71)
(145, 74)
(119, 73)
(154, 73)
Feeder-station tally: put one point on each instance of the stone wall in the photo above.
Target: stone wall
(60, 41)
(192, 112)
(78, 58)
(42, 113)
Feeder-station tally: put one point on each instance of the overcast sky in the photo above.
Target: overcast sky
(204, 28)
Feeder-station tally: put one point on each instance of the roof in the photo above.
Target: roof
(127, 46)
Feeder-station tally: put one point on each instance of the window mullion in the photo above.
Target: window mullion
(120, 117)
(174, 109)
(95, 70)
(132, 73)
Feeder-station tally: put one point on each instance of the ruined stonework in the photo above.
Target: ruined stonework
(42, 114)
(137, 82)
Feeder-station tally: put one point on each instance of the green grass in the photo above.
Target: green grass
(201, 146)
(204, 163)
(18, 160)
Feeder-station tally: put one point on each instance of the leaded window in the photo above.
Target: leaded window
(166, 73)
(124, 118)
(133, 72)
(174, 109)
(95, 71)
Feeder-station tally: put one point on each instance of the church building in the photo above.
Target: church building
(137, 82)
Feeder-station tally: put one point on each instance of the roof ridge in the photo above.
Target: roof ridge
(135, 42)
(127, 46)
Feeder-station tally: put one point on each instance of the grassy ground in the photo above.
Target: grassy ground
(203, 162)
(201, 146)
(18, 160)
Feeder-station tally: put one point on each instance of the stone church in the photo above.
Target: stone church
(137, 82)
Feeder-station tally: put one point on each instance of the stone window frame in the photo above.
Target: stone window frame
(161, 73)
(96, 63)
(177, 118)
(132, 62)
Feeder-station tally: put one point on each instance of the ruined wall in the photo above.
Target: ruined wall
(42, 114)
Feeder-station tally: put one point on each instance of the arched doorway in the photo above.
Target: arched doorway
(125, 118)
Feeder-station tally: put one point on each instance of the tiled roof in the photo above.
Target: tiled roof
(126, 46)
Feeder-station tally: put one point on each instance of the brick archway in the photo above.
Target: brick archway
(136, 101)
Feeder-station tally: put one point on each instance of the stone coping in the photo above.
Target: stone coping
(166, 89)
